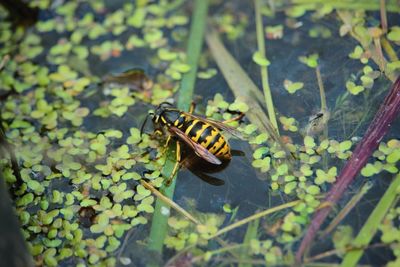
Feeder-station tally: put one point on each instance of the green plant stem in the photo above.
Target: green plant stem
(251, 233)
(255, 217)
(324, 106)
(384, 21)
(159, 224)
(370, 227)
(371, 5)
(264, 72)
(389, 49)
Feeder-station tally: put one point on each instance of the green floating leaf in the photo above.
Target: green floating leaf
(208, 74)
(288, 124)
(141, 190)
(88, 202)
(260, 152)
(180, 67)
(238, 106)
(394, 156)
(296, 11)
(167, 55)
(394, 34)
(311, 60)
(289, 187)
(282, 169)
(25, 200)
(135, 137)
(259, 139)
(227, 208)
(274, 32)
(323, 177)
(353, 88)
(313, 190)
(260, 59)
(345, 145)
(134, 41)
(343, 237)
(319, 31)
(292, 87)
(138, 18)
(153, 35)
(263, 164)
(35, 186)
(356, 54)
(309, 142)
(250, 128)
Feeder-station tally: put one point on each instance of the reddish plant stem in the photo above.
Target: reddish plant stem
(375, 132)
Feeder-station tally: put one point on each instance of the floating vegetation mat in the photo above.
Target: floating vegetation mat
(305, 78)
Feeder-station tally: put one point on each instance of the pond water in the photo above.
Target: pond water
(81, 158)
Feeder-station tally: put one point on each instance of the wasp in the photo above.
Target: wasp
(202, 135)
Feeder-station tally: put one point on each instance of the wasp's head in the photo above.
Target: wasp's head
(159, 113)
(158, 116)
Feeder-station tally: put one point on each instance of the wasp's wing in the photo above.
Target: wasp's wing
(198, 149)
(219, 125)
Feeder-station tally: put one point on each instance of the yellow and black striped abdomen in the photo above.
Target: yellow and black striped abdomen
(204, 134)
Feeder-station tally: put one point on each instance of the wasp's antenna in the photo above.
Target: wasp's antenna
(144, 123)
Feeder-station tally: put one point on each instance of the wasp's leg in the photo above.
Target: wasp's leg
(177, 163)
(235, 118)
(167, 142)
(192, 107)
(165, 147)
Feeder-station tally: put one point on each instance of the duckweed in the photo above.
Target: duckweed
(311, 60)
(260, 59)
(292, 87)
(68, 164)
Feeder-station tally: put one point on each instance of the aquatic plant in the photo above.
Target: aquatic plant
(88, 187)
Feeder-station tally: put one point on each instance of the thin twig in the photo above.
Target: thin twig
(178, 255)
(384, 23)
(220, 250)
(381, 57)
(127, 236)
(254, 217)
(169, 202)
(337, 251)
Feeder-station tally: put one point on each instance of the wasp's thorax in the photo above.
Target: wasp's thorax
(165, 115)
